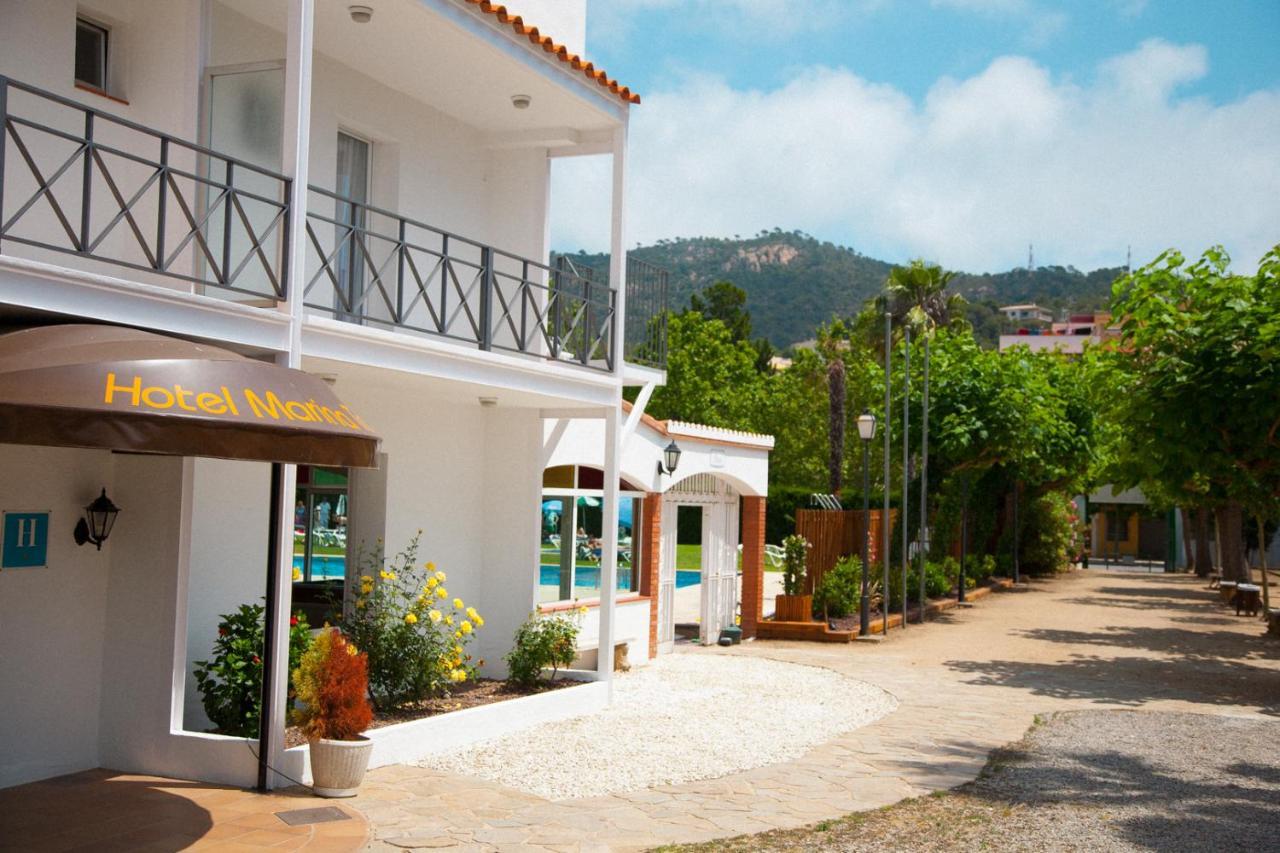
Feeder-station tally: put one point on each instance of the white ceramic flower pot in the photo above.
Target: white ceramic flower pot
(337, 766)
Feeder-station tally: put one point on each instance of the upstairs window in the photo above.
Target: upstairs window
(91, 54)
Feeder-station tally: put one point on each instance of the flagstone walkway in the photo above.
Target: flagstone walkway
(966, 683)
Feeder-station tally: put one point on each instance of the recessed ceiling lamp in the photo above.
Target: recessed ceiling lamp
(521, 102)
(361, 14)
(488, 402)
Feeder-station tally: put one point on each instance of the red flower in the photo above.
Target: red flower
(257, 659)
(222, 632)
(293, 621)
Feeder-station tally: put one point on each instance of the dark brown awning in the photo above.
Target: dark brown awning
(123, 389)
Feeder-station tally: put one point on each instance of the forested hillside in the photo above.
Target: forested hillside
(795, 282)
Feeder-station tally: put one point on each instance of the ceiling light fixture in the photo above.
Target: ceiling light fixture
(521, 102)
(361, 14)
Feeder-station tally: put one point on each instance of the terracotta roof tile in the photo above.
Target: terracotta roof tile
(549, 45)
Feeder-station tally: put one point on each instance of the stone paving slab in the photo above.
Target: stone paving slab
(966, 684)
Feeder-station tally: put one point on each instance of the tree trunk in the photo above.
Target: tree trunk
(835, 425)
(1204, 556)
(1262, 561)
(1187, 539)
(1230, 520)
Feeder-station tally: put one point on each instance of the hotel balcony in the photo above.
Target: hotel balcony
(427, 195)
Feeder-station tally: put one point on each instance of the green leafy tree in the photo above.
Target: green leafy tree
(724, 302)
(711, 377)
(1195, 388)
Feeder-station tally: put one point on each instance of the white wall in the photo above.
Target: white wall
(632, 628)
(229, 512)
(52, 619)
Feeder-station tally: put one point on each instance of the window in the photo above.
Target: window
(321, 512)
(573, 533)
(91, 54)
(1117, 527)
(352, 182)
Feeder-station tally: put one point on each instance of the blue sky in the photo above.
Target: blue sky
(958, 130)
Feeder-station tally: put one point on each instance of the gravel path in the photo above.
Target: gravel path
(681, 718)
(1087, 781)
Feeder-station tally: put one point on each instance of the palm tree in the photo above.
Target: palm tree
(917, 294)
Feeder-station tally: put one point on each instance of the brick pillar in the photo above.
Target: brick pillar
(752, 563)
(650, 537)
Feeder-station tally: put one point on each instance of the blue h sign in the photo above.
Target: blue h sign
(26, 540)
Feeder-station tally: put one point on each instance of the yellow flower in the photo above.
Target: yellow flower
(366, 588)
(458, 675)
(583, 610)
(448, 620)
(479, 622)
(434, 615)
(366, 579)
(297, 574)
(441, 592)
(359, 604)
(457, 635)
(431, 583)
(457, 650)
(471, 613)
(410, 617)
(387, 576)
(431, 567)
(465, 627)
(351, 650)
(457, 604)
(440, 576)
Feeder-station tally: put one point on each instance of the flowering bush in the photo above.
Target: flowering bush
(331, 682)
(230, 681)
(1051, 534)
(544, 642)
(795, 553)
(414, 633)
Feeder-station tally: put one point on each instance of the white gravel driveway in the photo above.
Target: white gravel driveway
(685, 716)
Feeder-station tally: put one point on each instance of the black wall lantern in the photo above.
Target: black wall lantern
(99, 518)
(671, 456)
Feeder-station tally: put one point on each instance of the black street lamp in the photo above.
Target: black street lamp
(964, 531)
(866, 432)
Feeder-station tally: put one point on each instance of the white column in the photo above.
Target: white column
(295, 147)
(609, 548)
(617, 241)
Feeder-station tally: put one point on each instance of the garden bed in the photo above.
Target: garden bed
(483, 691)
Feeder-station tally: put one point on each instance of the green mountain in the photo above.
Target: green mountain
(795, 282)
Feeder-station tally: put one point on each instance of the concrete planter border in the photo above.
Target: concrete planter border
(405, 743)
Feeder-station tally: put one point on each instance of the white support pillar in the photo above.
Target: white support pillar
(618, 242)
(609, 550)
(296, 144)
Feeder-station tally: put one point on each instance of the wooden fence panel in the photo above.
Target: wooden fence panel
(833, 534)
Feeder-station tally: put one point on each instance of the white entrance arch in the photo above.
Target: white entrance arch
(719, 589)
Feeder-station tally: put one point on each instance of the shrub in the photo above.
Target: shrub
(839, 591)
(795, 551)
(543, 642)
(414, 634)
(230, 681)
(1051, 534)
(936, 583)
(981, 567)
(331, 682)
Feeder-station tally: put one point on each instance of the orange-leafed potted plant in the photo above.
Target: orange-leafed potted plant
(332, 685)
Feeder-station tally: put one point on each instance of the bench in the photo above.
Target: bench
(1227, 591)
(1273, 622)
(1248, 597)
(1215, 578)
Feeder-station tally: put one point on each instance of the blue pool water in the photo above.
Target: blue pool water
(323, 567)
(588, 577)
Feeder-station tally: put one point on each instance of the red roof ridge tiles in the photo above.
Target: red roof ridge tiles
(549, 45)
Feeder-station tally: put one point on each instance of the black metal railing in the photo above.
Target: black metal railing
(373, 266)
(645, 339)
(79, 181)
(646, 332)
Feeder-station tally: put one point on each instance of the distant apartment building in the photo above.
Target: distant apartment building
(1029, 313)
(1069, 337)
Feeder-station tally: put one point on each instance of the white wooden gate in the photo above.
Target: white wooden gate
(719, 599)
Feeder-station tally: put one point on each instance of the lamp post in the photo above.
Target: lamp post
(866, 432)
(964, 531)
(888, 435)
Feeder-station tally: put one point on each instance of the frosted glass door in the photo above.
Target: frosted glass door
(246, 110)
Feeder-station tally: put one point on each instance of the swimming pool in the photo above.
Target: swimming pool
(588, 577)
(324, 567)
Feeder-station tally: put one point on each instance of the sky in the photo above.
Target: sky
(960, 131)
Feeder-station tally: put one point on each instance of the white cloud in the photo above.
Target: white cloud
(968, 177)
